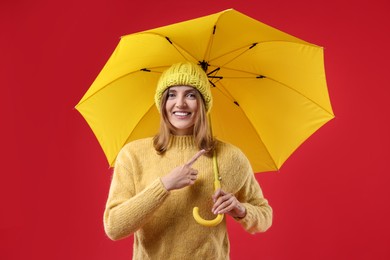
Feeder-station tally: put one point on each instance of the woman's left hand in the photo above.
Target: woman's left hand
(227, 203)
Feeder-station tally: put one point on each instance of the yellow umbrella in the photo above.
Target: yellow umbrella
(269, 88)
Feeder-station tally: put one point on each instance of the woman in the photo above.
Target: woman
(157, 181)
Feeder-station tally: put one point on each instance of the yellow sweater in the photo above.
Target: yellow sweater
(162, 221)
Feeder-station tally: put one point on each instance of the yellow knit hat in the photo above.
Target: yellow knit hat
(184, 74)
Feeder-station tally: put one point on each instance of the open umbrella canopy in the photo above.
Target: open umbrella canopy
(269, 88)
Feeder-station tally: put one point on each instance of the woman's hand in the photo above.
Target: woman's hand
(182, 176)
(227, 203)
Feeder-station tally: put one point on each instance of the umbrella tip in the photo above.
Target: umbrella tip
(204, 64)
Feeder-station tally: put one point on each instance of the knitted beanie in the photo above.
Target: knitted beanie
(184, 74)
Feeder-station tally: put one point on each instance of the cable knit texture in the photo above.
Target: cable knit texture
(162, 221)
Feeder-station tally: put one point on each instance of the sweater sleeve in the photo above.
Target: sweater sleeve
(125, 210)
(258, 216)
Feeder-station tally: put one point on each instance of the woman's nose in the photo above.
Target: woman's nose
(180, 102)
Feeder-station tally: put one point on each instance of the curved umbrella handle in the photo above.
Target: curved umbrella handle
(217, 185)
(204, 222)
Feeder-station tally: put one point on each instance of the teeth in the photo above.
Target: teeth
(181, 113)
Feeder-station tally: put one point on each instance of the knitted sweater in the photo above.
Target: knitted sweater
(161, 220)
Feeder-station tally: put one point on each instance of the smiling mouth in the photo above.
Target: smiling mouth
(181, 113)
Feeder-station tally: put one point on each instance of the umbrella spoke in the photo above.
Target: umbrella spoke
(261, 150)
(179, 49)
(226, 93)
(243, 50)
(209, 44)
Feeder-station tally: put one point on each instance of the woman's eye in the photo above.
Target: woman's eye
(191, 95)
(171, 95)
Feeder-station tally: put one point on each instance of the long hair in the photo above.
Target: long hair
(202, 133)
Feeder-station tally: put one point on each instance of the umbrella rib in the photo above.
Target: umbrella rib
(210, 43)
(122, 76)
(173, 43)
(245, 50)
(250, 46)
(250, 123)
(300, 93)
(109, 83)
(139, 121)
(262, 76)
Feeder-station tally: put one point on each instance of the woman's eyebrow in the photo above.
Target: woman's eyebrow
(186, 91)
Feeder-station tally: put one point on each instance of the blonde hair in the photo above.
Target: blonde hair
(202, 133)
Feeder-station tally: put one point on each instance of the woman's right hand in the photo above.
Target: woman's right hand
(182, 176)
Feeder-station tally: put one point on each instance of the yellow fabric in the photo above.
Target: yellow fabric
(269, 93)
(160, 220)
(184, 74)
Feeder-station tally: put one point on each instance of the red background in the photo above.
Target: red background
(330, 199)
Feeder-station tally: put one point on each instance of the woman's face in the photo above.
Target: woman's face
(182, 109)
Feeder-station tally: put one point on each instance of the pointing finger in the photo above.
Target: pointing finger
(196, 156)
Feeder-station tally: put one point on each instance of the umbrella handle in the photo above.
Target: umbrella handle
(217, 185)
(204, 222)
